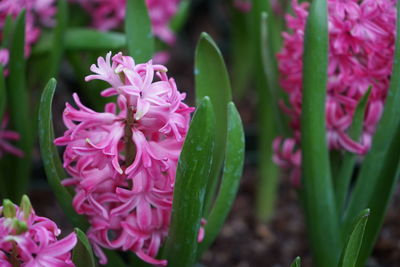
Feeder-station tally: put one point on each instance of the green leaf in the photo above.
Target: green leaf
(354, 240)
(83, 254)
(296, 262)
(349, 160)
(319, 201)
(3, 93)
(369, 175)
(268, 171)
(51, 160)
(271, 72)
(78, 39)
(232, 173)
(58, 38)
(140, 38)
(242, 53)
(7, 31)
(114, 260)
(181, 15)
(381, 195)
(190, 188)
(211, 78)
(18, 100)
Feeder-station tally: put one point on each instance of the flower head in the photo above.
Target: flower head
(38, 13)
(361, 48)
(123, 161)
(31, 240)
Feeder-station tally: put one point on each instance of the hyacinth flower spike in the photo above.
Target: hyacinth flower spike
(28, 240)
(123, 161)
(361, 48)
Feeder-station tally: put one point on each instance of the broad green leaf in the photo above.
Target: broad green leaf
(268, 171)
(58, 38)
(381, 195)
(3, 93)
(211, 78)
(79, 39)
(271, 72)
(369, 175)
(83, 254)
(18, 100)
(354, 240)
(232, 173)
(180, 17)
(243, 51)
(190, 188)
(349, 160)
(319, 201)
(140, 38)
(7, 31)
(296, 262)
(51, 160)
(114, 259)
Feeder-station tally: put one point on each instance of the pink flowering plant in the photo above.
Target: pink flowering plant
(27, 239)
(340, 81)
(123, 161)
(142, 178)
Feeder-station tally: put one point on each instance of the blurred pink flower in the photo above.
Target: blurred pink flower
(4, 57)
(243, 5)
(361, 48)
(123, 161)
(32, 240)
(110, 14)
(5, 136)
(38, 13)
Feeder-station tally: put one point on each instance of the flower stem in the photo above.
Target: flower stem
(130, 150)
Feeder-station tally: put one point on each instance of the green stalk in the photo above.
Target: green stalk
(19, 105)
(268, 172)
(320, 208)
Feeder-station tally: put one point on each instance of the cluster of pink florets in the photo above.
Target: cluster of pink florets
(38, 13)
(123, 161)
(29, 240)
(110, 14)
(361, 48)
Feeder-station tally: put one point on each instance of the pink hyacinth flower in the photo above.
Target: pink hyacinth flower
(123, 161)
(38, 13)
(110, 14)
(5, 137)
(361, 48)
(32, 240)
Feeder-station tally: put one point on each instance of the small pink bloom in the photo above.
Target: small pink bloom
(361, 48)
(123, 161)
(32, 240)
